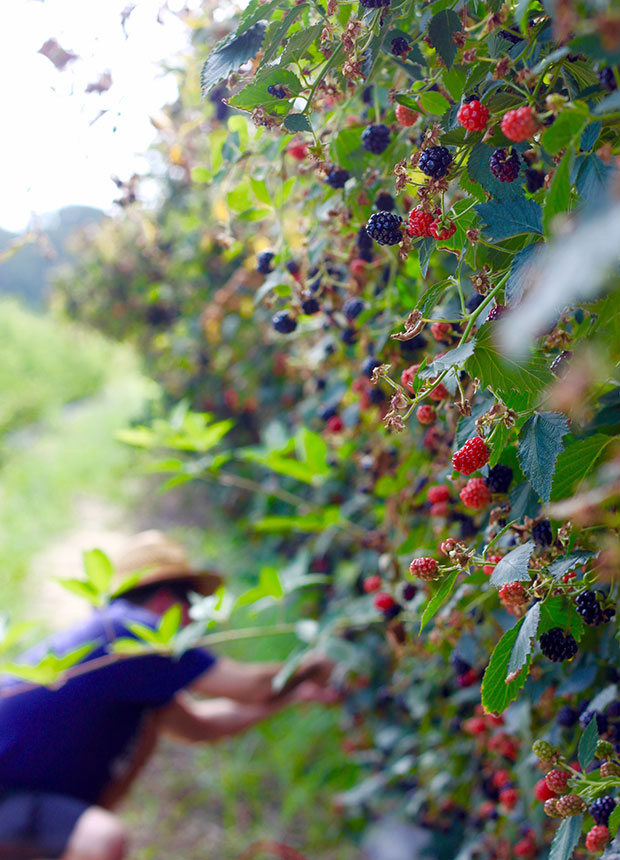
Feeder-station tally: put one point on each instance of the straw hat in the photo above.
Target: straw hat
(155, 557)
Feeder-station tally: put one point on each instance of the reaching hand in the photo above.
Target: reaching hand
(310, 691)
(317, 668)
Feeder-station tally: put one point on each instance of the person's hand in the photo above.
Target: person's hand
(317, 668)
(310, 691)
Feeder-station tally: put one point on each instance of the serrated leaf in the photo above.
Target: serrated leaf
(229, 56)
(614, 821)
(540, 442)
(434, 103)
(558, 197)
(441, 30)
(591, 176)
(557, 611)
(453, 358)
(299, 43)
(587, 744)
(278, 30)
(561, 566)
(503, 219)
(566, 838)
(256, 93)
(478, 170)
(296, 122)
(514, 567)
(430, 298)
(496, 693)
(575, 463)
(523, 271)
(567, 125)
(524, 501)
(525, 641)
(439, 598)
(590, 136)
(257, 11)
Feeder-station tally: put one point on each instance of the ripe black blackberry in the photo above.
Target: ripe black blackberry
(348, 336)
(310, 306)
(408, 347)
(558, 645)
(567, 717)
(376, 396)
(505, 165)
(327, 411)
(375, 4)
(283, 322)
(409, 591)
(376, 138)
(499, 478)
(607, 79)
(601, 720)
(363, 240)
(601, 809)
(384, 201)
(542, 534)
(383, 227)
(534, 179)
(368, 366)
(277, 91)
(513, 38)
(435, 161)
(366, 255)
(589, 608)
(337, 177)
(399, 46)
(263, 262)
(352, 308)
(293, 267)
(473, 302)
(459, 665)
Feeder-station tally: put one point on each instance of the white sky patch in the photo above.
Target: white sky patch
(52, 154)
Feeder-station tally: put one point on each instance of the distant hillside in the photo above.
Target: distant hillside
(25, 275)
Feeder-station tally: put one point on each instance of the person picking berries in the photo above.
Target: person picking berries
(70, 752)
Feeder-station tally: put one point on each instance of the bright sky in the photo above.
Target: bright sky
(52, 154)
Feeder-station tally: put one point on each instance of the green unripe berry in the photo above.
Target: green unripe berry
(604, 749)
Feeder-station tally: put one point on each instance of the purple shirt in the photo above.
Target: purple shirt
(68, 740)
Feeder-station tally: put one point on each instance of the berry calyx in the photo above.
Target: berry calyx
(372, 583)
(473, 115)
(475, 494)
(405, 116)
(597, 838)
(376, 138)
(519, 124)
(472, 456)
(384, 228)
(558, 645)
(441, 229)
(423, 568)
(505, 165)
(425, 414)
(420, 223)
(435, 161)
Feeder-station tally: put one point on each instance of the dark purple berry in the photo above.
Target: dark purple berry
(337, 177)
(558, 645)
(534, 179)
(542, 534)
(459, 665)
(327, 411)
(263, 262)
(567, 717)
(376, 138)
(409, 591)
(348, 336)
(368, 366)
(601, 720)
(283, 322)
(384, 201)
(374, 4)
(310, 306)
(376, 396)
(277, 91)
(608, 79)
(293, 267)
(601, 809)
(352, 308)
(505, 165)
(384, 228)
(435, 161)
(363, 240)
(400, 45)
(496, 312)
(499, 478)
(473, 302)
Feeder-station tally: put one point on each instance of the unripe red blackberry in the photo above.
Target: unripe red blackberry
(475, 494)
(383, 601)
(551, 808)
(405, 116)
(491, 564)
(519, 124)
(423, 568)
(505, 165)
(472, 456)
(473, 115)
(570, 805)
(442, 229)
(335, 424)
(542, 791)
(425, 414)
(439, 493)
(372, 583)
(496, 312)
(597, 838)
(439, 392)
(442, 331)
(557, 780)
(420, 222)
(508, 797)
(513, 594)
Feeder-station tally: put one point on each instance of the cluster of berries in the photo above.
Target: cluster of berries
(589, 607)
(277, 91)
(514, 598)
(472, 456)
(430, 225)
(558, 645)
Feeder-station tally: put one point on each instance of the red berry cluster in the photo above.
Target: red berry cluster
(519, 124)
(513, 597)
(491, 562)
(442, 331)
(473, 455)
(425, 414)
(440, 493)
(408, 375)
(475, 494)
(473, 115)
(405, 115)
(423, 568)
(597, 838)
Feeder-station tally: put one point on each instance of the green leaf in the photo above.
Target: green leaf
(441, 30)
(524, 501)
(439, 598)
(496, 693)
(434, 103)
(503, 219)
(478, 170)
(591, 176)
(587, 744)
(567, 125)
(278, 30)
(230, 55)
(315, 451)
(561, 566)
(255, 11)
(557, 611)
(558, 196)
(298, 44)
(256, 94)
(575, 463)
(566, 838)
(453, 358)
(170, 622)
(82, 589)
(430, 298)
(505, 375)
(523, 270)
(98, 568)
(525, 641)
(614, 821)
(514, 567)
(540, 442)
(296, 122)
(315, 522)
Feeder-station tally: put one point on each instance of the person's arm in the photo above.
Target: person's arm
(252, 683)
(194, 721)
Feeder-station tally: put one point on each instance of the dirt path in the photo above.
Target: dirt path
(102, 526)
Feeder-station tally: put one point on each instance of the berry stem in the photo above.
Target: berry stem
(474, 316)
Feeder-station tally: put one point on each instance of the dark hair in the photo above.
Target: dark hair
(141, 594)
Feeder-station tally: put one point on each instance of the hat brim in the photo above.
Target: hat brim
(204, 582)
